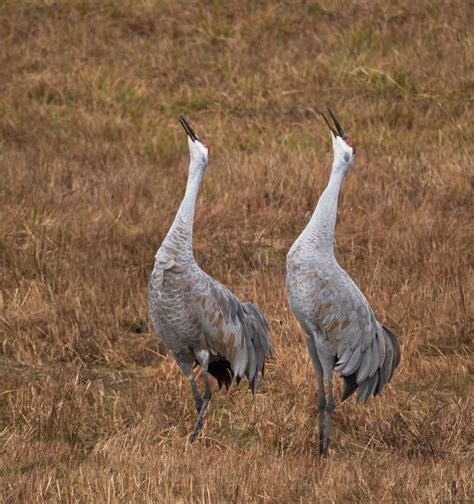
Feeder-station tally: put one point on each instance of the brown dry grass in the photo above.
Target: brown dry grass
(93, 166)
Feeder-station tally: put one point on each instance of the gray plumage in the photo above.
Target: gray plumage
(197, 318)
(343, 333)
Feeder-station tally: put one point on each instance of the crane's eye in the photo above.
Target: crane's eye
(207, 146)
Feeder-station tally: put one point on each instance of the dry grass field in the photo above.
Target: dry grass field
(93, 166)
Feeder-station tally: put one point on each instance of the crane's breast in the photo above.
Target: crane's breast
(171, 307)
(303, 286)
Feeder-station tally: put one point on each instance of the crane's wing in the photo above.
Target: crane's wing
(367, 351)
(235, 331)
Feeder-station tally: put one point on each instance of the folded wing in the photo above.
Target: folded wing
(235, 331)
(367, 352)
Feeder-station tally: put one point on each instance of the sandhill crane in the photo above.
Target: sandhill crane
(342, 331)
(198, 319)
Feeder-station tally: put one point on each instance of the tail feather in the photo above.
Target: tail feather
(221, 370)
(255, 329)
(258, 344)
(373, 384)
(396, 350)
(350, 386)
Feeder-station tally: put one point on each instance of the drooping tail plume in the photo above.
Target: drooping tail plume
(387, 352)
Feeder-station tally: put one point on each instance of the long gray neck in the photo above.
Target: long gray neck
(320, 229)
(179, 240)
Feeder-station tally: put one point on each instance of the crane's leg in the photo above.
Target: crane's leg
(203, 358)
(196, 394)
(328, 367)
(186, 368)
(321, 395)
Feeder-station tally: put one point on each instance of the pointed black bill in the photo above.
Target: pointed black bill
(337, 131)
(329, 124)
(187, 127)
(336, 122)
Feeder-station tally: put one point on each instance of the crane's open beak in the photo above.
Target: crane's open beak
(192, 135)
(336, 130)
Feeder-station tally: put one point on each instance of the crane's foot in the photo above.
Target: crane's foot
(326, 449)
(323, 448)
(197, 429)
(322, 441)
(192, 437)
(199, 421)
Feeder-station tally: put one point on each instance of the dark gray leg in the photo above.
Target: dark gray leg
(196, 394)
(321, 395)
(205, 402)
(203, 358)
(329, 412)
(187, 370)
